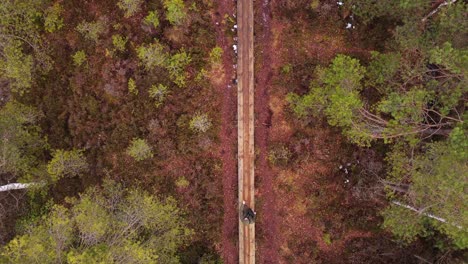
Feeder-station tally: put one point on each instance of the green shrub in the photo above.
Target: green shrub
(66, 163)
(108, 224)
(92, 30)
(175, 11)
(152, 55)
(139, 149)
(158, 93)
(327, 239)
(200, 123)
(21, 143)
(16, 66)
(314, 4)
(216, 54)
(53, 21)
(130, 7)
(117, 26)
(132, 88)
(152, 19)
(202, 74)
(119, 42)
(20, 34)
(403, 223)
(182, 182)
(279, 155)
(79, 58)
(287, 68)
(176, 66)
(210, 259)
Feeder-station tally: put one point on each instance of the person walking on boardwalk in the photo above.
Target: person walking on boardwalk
(248, 215)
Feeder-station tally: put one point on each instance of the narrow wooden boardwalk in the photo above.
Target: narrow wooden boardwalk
(245, 121)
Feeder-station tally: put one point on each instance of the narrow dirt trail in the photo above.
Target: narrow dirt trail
(228, 133)
(268, 219)
(245, 122)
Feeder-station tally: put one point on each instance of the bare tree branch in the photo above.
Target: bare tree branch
(440, 219)
(19, 186)
(437, 9)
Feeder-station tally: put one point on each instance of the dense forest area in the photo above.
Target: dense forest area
(117, 126)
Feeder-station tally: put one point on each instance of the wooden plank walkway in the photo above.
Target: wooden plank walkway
(245, 121)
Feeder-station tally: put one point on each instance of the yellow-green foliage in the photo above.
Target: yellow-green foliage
(215, 54)
(16, 66)
(440, 170)
(46, 241)
(175, 11)
(152, 19)
(19, 22)
(119, 42)
(92, 219)
(338, 99)
(200, 123)
(139, 149)
(132, 88)
(104, 225)
(202, 74)
(130, 7)
(31, 248)
(21, 142)
(404, 223)
(96, 254)
(279, 155)
(210, 259)
(182, 182)
(79, 58)
(117, 26)
(314, 4)
(176, 66)
(92, 30)
(327, 239)
(286, 69)
(19, 18)
(52, 20)
(66, 163)
(152, 55)
(158, 93)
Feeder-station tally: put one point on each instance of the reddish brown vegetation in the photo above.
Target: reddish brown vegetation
(228, 133)
(267, 226)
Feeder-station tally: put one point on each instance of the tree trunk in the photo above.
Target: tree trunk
(439, 132)
(440, 219)
(437, 9)
(402, 188)
(18, 186)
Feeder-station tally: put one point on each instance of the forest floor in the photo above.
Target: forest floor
(267, 200)
(228, 134)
